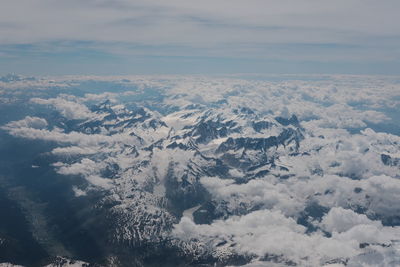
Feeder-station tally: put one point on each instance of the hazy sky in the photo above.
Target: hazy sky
(207, 36)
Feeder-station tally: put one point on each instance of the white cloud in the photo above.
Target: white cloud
(236, 29)
(69, 109)
(341, 220)
(88, 169)
(265, 193)
(268, 232)
(28, 122)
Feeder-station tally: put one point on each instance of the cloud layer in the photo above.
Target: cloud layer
(352, 32)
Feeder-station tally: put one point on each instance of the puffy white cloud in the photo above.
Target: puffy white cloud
(88, 169)
(265, 193)
(271, 233)
(369, 234)
(75, 138)
(341, 220)
(378, 195)
(28, 122)
(268, 232)
(74, 150)
(384, 194)
(69, 109)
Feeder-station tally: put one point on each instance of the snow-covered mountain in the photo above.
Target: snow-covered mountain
(222, 175)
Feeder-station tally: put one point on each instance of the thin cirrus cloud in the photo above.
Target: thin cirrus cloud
(353, 32)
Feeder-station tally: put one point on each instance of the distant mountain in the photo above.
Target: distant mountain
(9, 78)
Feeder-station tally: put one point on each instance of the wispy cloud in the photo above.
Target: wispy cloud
(304, 30)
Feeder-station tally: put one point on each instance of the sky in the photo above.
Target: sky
(52, 37)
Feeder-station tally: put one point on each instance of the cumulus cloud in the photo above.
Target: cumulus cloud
(256, 193)
(268, 232)
(87, 168)
(341, 220)
(69, 109)
(28, 122)
(57, 135)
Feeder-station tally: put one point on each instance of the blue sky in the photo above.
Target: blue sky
(49, 37)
